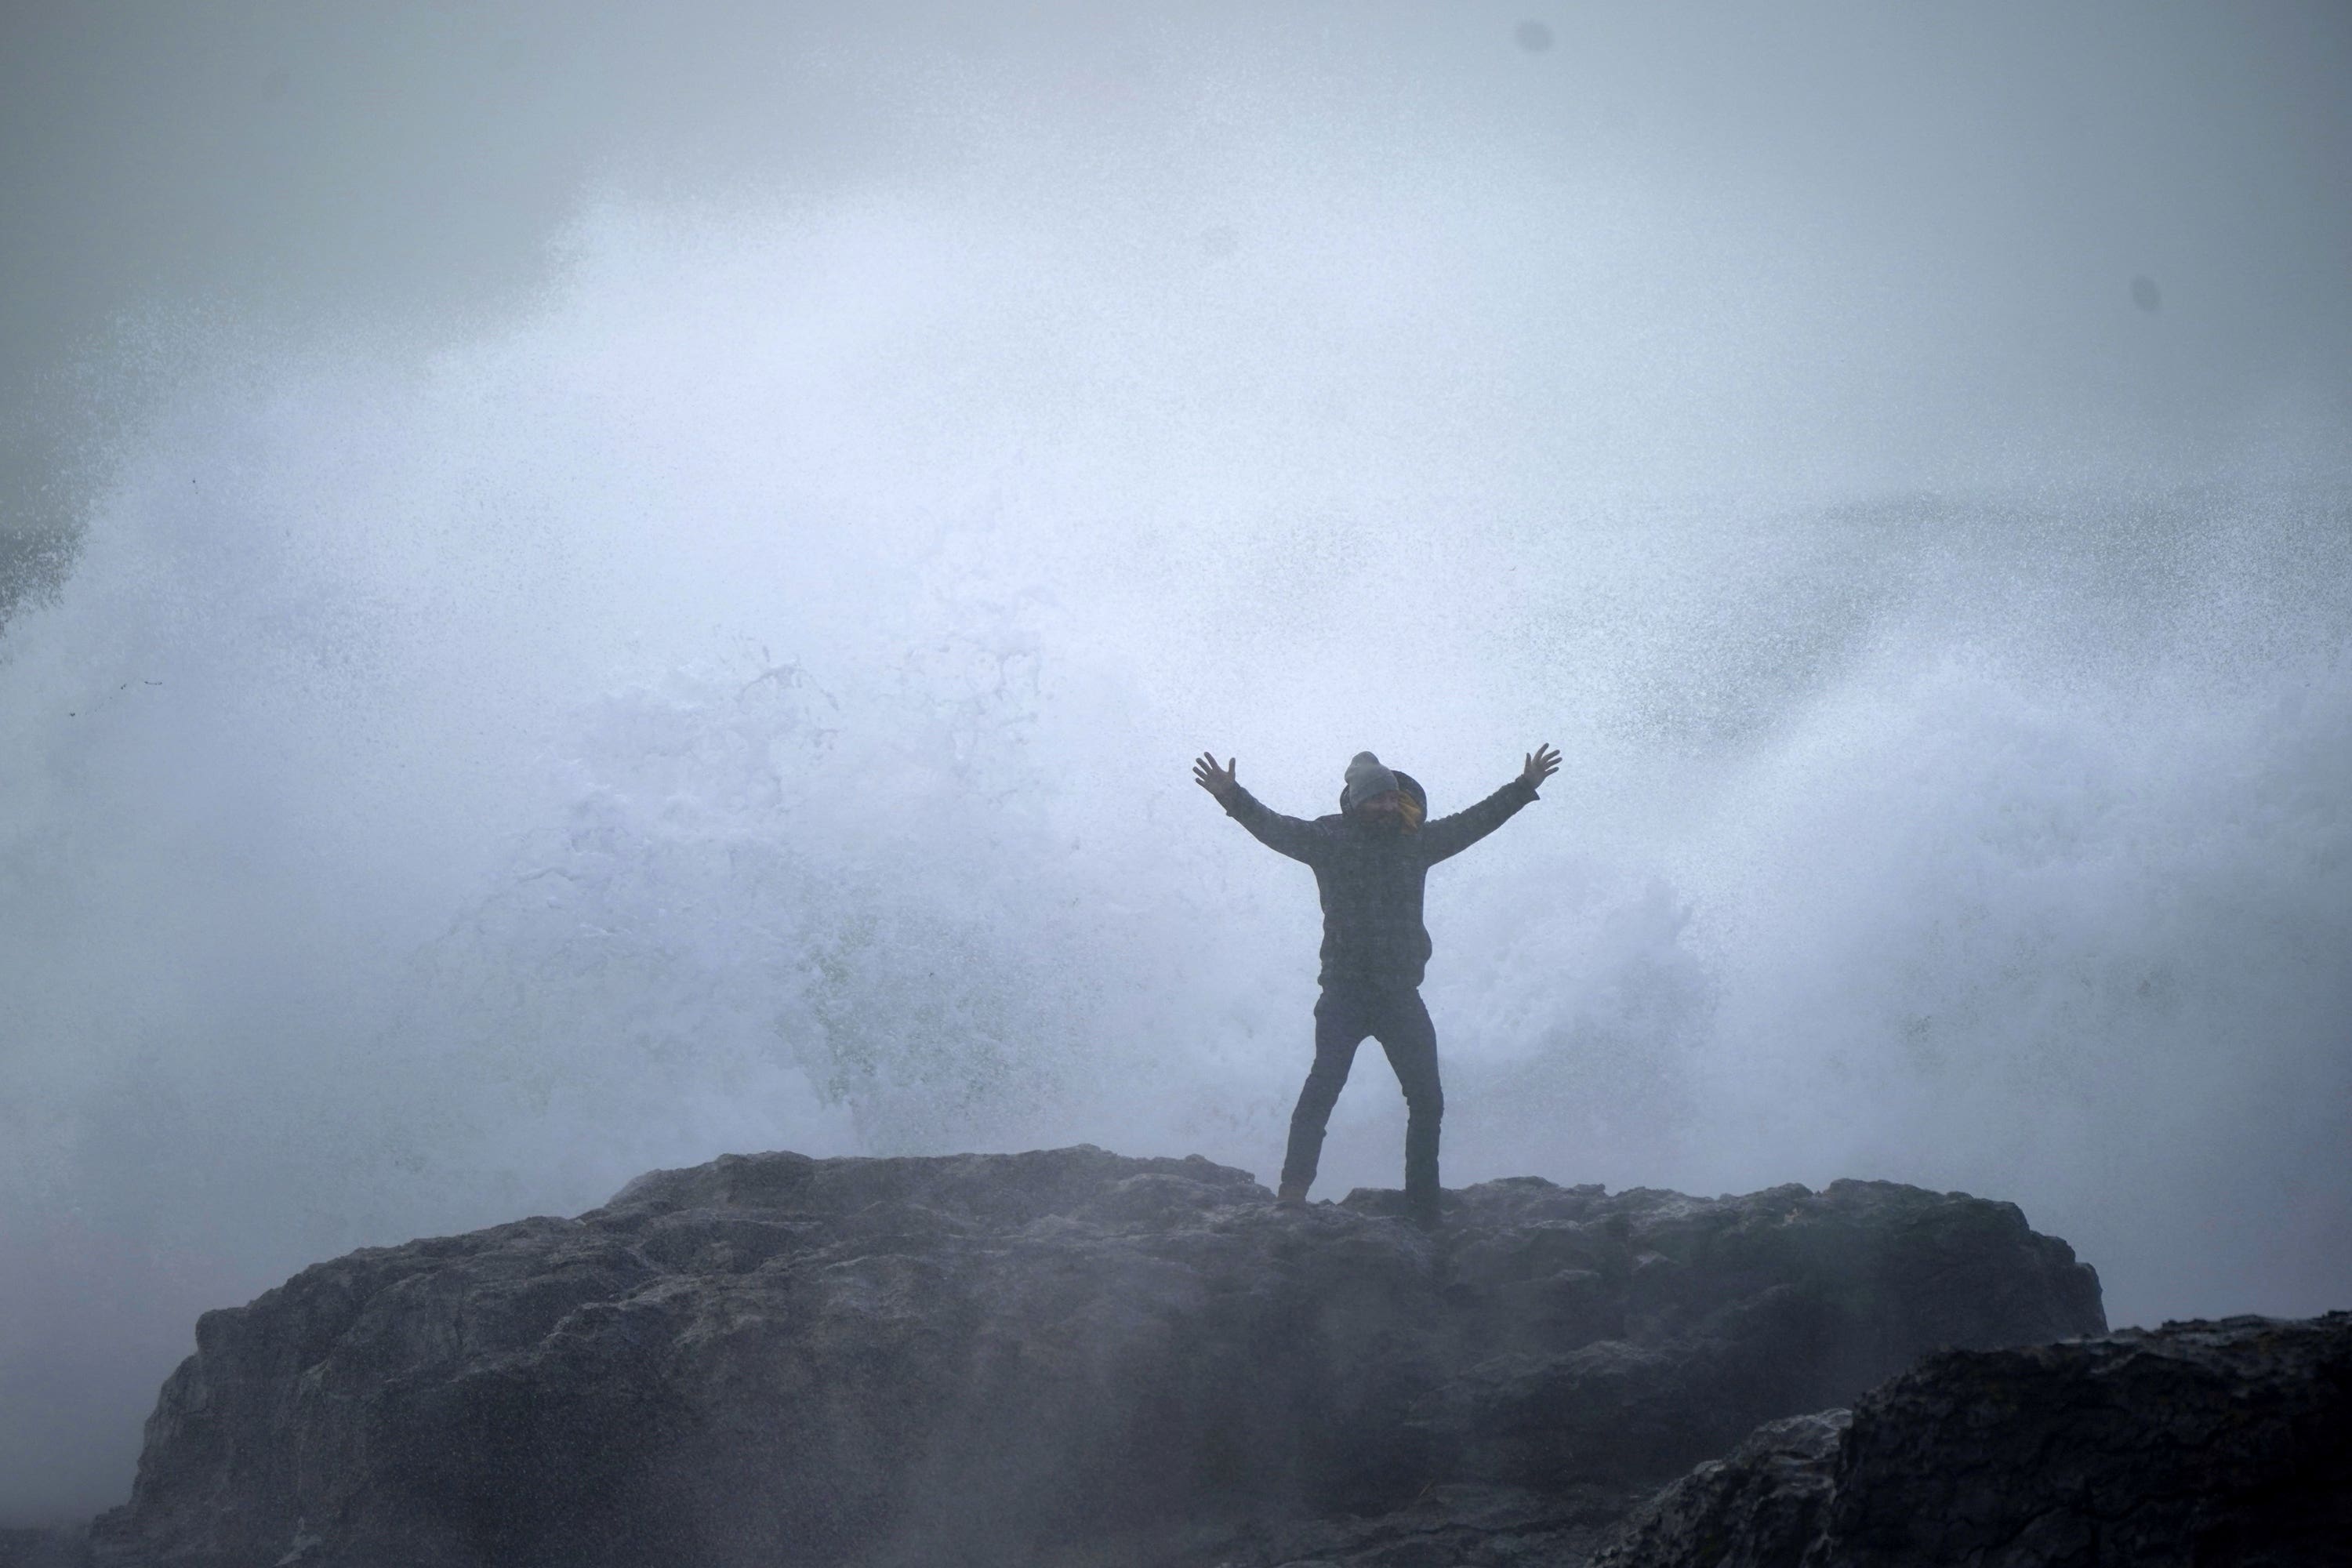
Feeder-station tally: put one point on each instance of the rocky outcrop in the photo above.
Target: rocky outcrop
(64, 1548)
(1760, 1506)
(1060, 1356)
(2222, 1445)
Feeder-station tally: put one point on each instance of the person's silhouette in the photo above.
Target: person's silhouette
(1370, 860)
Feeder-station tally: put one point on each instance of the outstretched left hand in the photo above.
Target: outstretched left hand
(1542, 762)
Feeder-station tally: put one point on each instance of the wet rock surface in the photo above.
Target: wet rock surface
(59, 1548)
(1063, 1356)
(2222, 1444)
(1760, 1506)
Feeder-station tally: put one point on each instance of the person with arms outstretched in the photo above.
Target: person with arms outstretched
(1370, 862)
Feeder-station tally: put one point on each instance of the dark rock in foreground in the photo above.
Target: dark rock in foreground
(2222, 1444)
(1759, 1506)
(1062, 1356)
(66, 1548)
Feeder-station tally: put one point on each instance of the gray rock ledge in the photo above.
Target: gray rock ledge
(1062, 1356)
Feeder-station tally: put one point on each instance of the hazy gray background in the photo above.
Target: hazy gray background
(585, 589)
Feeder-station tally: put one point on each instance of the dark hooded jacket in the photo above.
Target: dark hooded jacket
(1371, 875)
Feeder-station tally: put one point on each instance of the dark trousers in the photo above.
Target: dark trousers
(1343, 1017)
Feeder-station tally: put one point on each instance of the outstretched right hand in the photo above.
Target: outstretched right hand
(1217, 781)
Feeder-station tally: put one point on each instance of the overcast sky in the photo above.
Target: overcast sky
(1915, 226)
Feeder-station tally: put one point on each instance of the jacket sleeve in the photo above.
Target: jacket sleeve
(1449, 836)
(1283, 834)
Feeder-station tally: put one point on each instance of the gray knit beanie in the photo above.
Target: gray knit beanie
(1366, 778)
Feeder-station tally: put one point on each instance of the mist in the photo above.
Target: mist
(582, 591)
